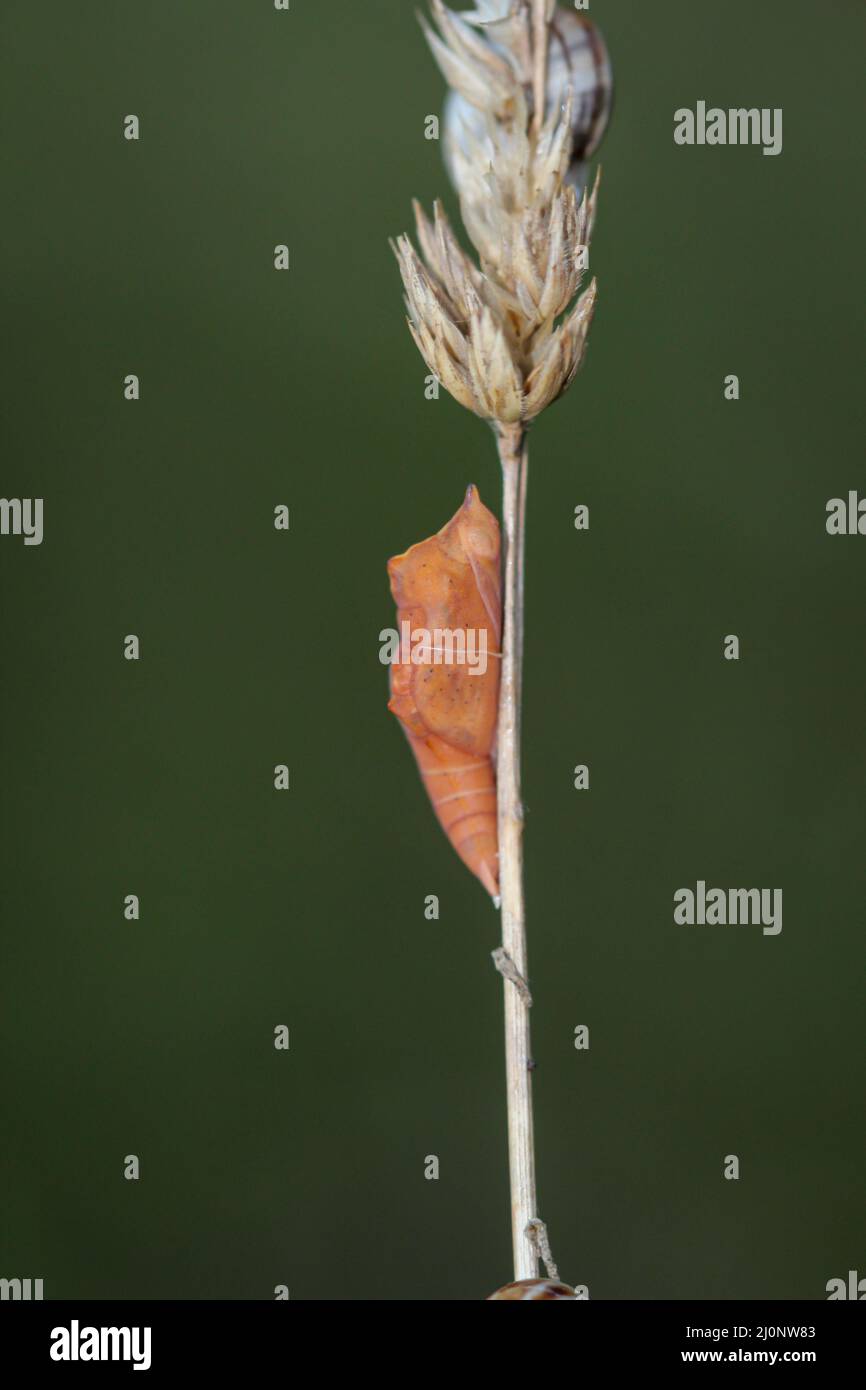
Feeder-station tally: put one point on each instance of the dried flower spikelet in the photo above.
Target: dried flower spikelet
(506, 337)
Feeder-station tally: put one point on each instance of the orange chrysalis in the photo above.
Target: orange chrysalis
(449, 589)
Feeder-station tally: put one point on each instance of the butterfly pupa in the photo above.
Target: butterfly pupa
(448, 590)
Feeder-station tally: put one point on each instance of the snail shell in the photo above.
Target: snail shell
(578, 61)
(532, 1289)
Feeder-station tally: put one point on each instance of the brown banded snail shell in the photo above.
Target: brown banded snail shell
(532, 1289)
(577, 61)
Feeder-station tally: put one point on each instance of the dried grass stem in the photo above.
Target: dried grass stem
(521, 1148)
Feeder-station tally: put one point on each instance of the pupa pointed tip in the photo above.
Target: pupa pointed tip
(489, 879)
(472, 498)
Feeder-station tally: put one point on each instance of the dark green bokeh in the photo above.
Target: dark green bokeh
(258, 648)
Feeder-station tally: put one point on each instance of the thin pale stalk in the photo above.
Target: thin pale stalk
(518, 1077)
(539, 62)
(521, 571)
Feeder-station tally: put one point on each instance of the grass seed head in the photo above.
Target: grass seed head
(506, 336)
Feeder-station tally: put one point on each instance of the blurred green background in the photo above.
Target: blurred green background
(258, 647)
